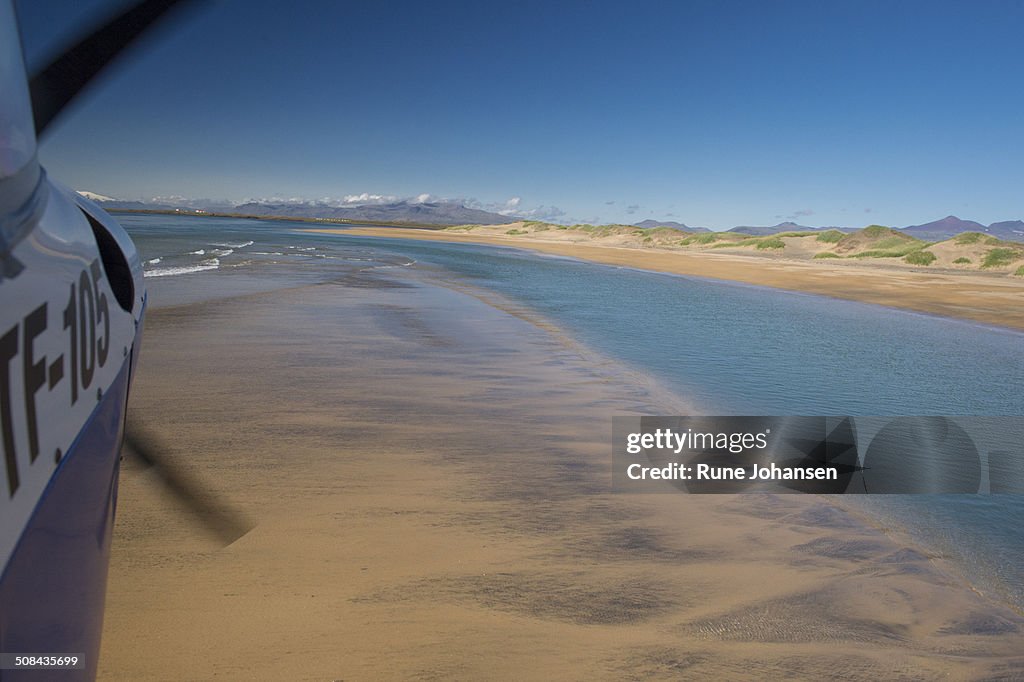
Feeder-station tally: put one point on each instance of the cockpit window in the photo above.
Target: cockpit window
(17, 130)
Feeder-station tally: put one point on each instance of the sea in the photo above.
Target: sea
(733, 349)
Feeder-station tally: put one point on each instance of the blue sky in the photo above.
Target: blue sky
(715, 113)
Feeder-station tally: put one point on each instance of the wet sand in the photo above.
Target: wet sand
(429, 478)
(991, 299)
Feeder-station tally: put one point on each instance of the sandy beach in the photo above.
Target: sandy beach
(428, 476)
(990, 299)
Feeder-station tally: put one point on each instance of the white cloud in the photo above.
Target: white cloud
(512, 207)
(275, 200)
(541, 213)
(171, 199)
(367, 198)
(361, 199)
(509, 208)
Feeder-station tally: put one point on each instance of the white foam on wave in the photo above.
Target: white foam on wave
(220, 253)
(167, 272)
(391, 265)
(200, 252)
(154, 261)
(229, 245)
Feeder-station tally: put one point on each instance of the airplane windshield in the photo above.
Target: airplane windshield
(17, 130)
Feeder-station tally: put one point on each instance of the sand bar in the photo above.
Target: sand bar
(990, 299)
(429, 479)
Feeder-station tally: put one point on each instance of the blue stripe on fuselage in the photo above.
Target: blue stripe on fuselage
(52, 590)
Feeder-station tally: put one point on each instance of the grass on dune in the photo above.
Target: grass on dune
(661, 232)
(996, 258)
(770, 243)
(750, 241)
(965, 238)
(829, 236)
(919, 258)
(874, 231)
(701, 239)
(897, 251)
(890, 243)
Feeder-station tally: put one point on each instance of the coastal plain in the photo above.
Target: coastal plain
(427, 473)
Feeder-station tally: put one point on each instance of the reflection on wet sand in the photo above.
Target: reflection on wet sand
(430, 476)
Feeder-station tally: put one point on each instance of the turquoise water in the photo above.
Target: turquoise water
(732, 349)
(741, 349)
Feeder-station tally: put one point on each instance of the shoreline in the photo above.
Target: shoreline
(995, 301)
(432, 500)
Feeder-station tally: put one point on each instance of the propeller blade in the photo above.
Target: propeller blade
(218, 517)
(55, 86)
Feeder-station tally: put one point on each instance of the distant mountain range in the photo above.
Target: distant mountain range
(429, 213)
(456, 213)
(781, 227)
(950, 226)
(421, 213)
(649, 224)
(938, 230)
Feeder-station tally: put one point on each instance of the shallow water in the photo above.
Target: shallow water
(730, 348)
(191, 259)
